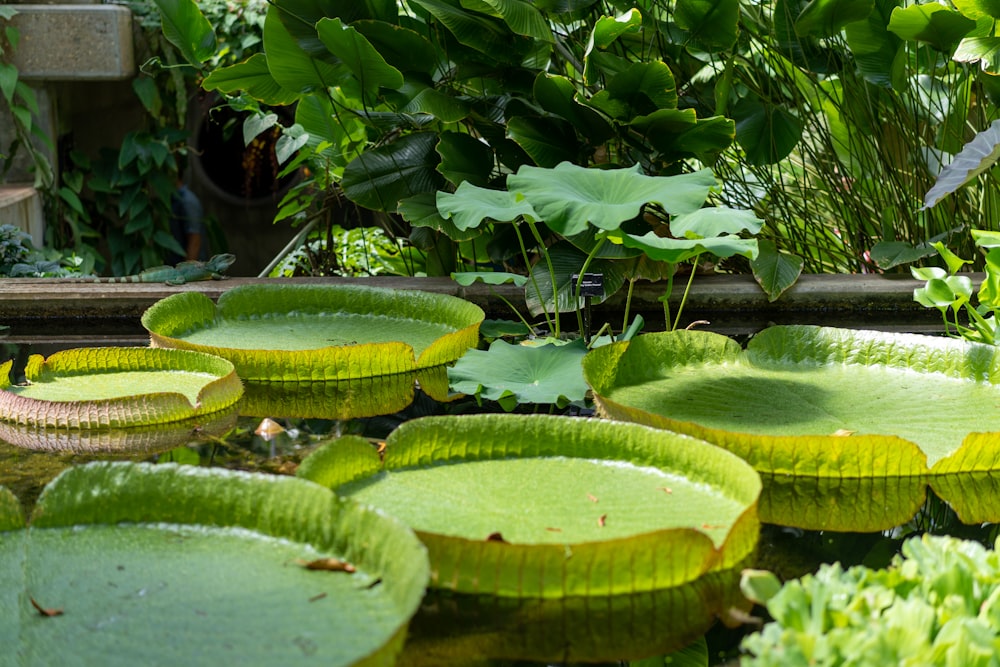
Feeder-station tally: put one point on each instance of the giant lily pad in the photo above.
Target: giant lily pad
(296, 333)
(116, 387)
(181, 565)
(549, 507)
(814, 402)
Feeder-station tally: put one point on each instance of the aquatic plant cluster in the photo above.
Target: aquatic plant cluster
(652, 510)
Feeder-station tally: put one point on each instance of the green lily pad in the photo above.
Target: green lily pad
(141, 564)
(516, 374)
(326, 333)
(116, 387)
(549, 507)
(817, 403)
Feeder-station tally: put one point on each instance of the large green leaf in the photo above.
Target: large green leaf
(464, 159)
(877, 51)
(548, 141)
(767, 134)
(812, 401)
(354, 50)
(253, 77)
(976, 157)
(326, 333)
(116, 387)
(570, 197)
(291, 66)
(477, 31)
(166, 564)
(976, 9)
(404, 49)
(775, 271)
(557, 94)
(932, 23)
(538, 506)
(469, 206)
(381, 177)
(712, 23)
(825, 18)
(518, 374)
(186, 27)
(982, 50)
(522, 17)
(567, 261)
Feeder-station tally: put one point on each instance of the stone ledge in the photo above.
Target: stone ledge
(733, 304)
(74, 42)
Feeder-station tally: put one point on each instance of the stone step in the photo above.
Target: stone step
(21, 206)
(74, 42)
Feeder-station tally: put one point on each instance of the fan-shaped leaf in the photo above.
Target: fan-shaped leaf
(570, 197)
(518, 374)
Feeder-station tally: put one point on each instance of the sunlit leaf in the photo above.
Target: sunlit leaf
(976, 157)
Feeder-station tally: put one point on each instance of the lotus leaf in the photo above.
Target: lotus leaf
(815, 402)
(140, 564)
(305, 333)
(92, 388)
(548, 507)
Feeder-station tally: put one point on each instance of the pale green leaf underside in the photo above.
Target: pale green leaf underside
(544, 484)
(318, 332)
(154, 564)
(813, 401)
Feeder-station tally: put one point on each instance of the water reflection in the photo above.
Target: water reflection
(463, 630)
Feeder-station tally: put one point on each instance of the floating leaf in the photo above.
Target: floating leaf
(163, 560)
(519, 475)
(515, 374)
(318, 332)
(777, 403)
(116, 387)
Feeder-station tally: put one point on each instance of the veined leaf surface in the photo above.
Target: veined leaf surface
(175, 564)
(546, 507)
(116, 387)
(814, 402)
(326, 333)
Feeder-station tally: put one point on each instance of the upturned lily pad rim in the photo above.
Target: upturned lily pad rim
(656, 559)
(170, 319)
(141, 409)
(165, 496)
(804, 346)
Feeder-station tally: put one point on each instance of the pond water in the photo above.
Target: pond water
(272, 431)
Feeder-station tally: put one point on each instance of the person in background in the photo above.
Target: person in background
(187, 222)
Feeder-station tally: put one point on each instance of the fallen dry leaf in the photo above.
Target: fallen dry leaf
(592, 498)
(601, 520)
(43, 611)
(495, 537)
(326, 564)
